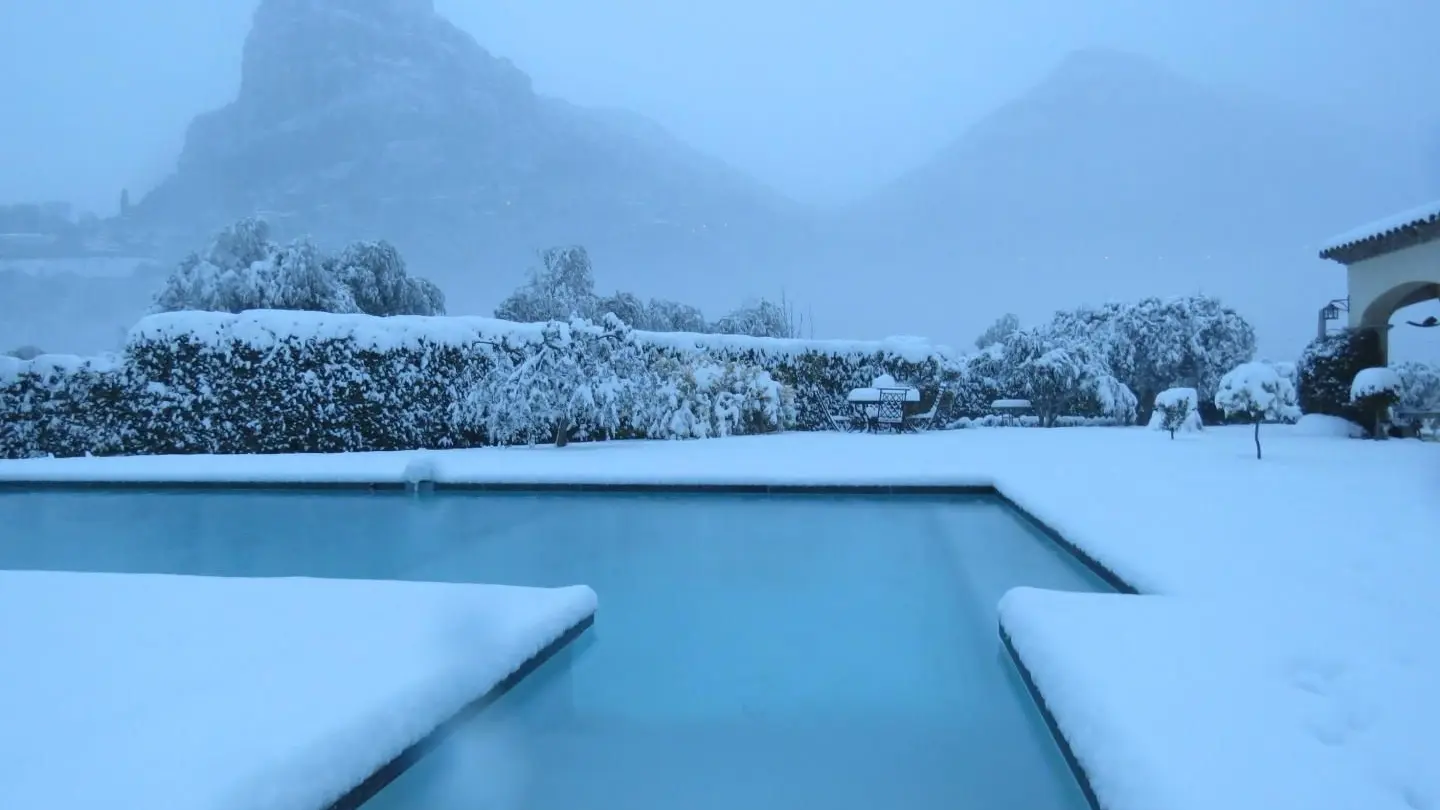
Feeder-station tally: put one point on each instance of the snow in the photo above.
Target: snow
(264, 328)
(1284, 658)
(47, 364)
(873, 394)
(1372, 381)
(1428, 212)
(1215, 706)
(136, 692)
(1014, 404)
(1323, 425)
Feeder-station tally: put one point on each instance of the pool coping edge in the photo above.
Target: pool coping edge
(1066, 750)
(396, 766)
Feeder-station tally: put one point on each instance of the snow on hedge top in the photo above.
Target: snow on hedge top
(46, 364)
(264, 328)
(1419, 215)
(1372, 381)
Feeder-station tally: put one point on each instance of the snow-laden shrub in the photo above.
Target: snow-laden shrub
(1254, 392)
(1373, 392)
(578, 381)
(1328, 366)
(1419, 386)
(711, 400)
(1176, 410)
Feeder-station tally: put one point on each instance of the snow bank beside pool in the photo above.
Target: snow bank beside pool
(138, 692)
(1187, 704)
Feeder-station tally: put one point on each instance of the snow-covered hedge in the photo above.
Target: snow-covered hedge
(275, 381)
(68, 405)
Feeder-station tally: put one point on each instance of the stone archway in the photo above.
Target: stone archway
(1384, 303)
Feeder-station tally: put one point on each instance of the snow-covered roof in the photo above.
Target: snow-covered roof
(1411, 227)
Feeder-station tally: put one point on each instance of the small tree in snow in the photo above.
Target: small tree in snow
(563, 288)
(1374, 392)
(1004, 326)
(1176, 409)
(763, 318)
(1253, 391)
(672, 316)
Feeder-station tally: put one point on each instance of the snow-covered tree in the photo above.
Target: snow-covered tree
(763, 318)
(1003, 327)
(297, 276)
(1374, 391)
(672, 316)
(243, 269)
(1156, 343)
(1176, 410)
(563, 288)
(1255, 392)
(625, 306)
(26, 352)
(1419, 385)
(375, 274)
(1063, 376)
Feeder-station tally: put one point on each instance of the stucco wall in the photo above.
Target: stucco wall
(1383, 284)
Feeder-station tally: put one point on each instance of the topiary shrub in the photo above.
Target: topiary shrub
(1373, 393)
(1176, 410)
(1328, 367)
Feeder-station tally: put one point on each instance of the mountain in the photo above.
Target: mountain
(379, 118)
(1116, 177)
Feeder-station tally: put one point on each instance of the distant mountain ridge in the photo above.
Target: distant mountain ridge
(366, 118)
(1114, 177)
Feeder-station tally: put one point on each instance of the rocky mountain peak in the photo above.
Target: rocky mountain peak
(304, 56)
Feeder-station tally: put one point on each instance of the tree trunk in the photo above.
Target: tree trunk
(562, 433)
(1257, 438)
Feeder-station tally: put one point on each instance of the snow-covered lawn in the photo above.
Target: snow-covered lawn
(138, 692)
(1288, 660)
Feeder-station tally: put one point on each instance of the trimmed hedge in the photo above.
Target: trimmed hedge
(286, 381)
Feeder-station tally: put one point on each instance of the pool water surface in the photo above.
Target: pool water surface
(798, 651)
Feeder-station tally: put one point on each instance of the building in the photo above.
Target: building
(1390, 264)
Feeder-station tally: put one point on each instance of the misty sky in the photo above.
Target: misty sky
(823, 100)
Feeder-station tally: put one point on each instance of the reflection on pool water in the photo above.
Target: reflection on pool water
(750, 651)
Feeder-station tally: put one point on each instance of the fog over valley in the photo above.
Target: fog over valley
(920, 170)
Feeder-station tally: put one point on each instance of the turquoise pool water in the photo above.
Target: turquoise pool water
(750, 651)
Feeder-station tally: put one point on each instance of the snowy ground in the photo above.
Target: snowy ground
(1289, 661)
(138, 692)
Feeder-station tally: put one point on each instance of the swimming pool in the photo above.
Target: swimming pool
(750, 651)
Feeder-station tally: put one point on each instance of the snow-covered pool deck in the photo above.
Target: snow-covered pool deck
(1284, 659)
(137, 692)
